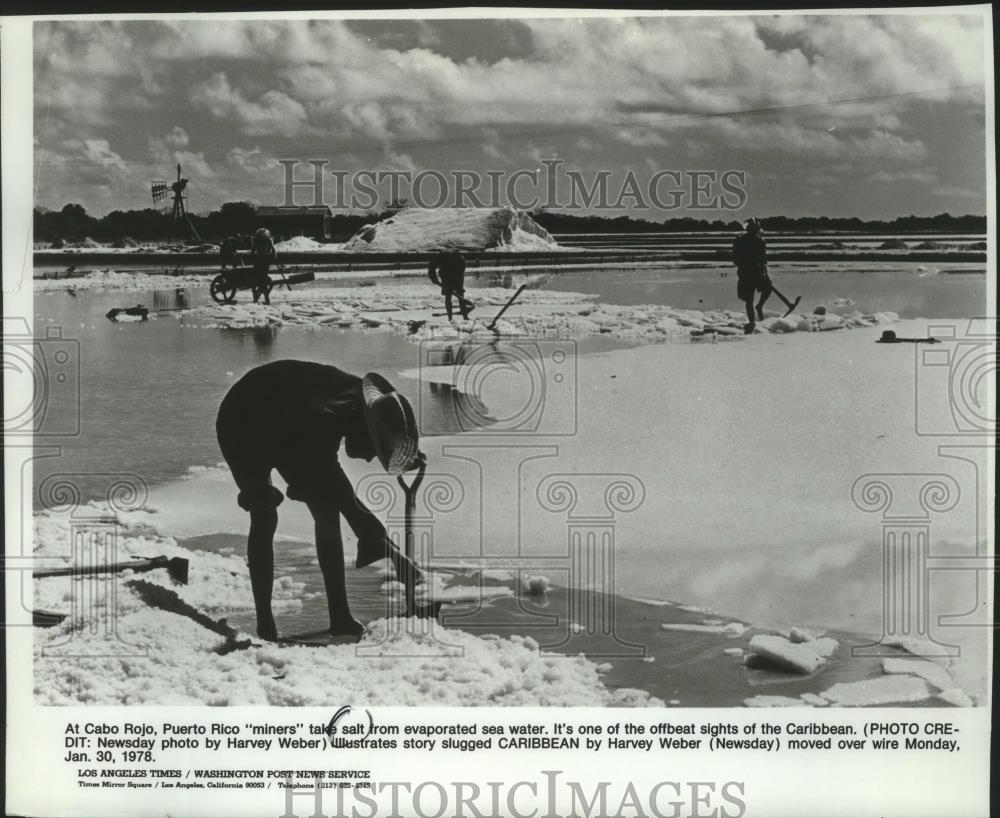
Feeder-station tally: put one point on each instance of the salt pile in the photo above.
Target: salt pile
(302, 244)
(175, 648)
(421, 230)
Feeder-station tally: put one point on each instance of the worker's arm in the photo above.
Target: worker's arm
(432, 272)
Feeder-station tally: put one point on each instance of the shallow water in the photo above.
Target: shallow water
(149, 391)
(911, 290)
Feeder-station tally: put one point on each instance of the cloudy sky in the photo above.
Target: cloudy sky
(120, 103)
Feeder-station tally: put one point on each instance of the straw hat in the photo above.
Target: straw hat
(391, 423)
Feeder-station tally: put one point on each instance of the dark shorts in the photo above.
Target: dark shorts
(311, 468)
(748, 285)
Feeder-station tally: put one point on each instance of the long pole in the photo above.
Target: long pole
(506, 306)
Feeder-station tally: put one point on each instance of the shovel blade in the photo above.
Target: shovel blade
(792, 306)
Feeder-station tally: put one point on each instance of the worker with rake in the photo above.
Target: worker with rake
(447, 270)
(750, 258)
(311, 408)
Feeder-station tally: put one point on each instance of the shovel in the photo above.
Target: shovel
(428, 610)
(790, 304)
(177, 567)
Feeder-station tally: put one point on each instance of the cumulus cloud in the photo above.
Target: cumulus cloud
(273, 113)
(99, 152)
(170, 148)
(604, 86)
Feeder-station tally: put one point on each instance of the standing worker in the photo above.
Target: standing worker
(291, 416)
(447, 270)
(228, 257)
(750, 258)
(264, 254)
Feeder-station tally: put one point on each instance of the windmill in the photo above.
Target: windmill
(160, 190)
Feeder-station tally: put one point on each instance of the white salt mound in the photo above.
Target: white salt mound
(784, 655)
(300, 244)
(416, 230)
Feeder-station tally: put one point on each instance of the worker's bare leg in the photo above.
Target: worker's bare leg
(260, 560)
(447, 304)
(765, 293)
(330, 551)
(750, 313)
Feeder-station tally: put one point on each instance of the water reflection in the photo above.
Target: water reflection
(445, 409)
(175, 299)
(261, 337)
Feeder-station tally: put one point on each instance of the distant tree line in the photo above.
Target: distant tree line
(73, 223)
(944, 223)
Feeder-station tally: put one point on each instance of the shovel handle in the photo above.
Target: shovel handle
(506, 306)
(410, 493)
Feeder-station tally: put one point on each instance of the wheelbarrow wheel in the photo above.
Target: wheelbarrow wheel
(221, 290)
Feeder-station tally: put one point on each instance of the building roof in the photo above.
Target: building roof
(305, 210)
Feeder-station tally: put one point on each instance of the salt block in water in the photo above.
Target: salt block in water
(928, 671)
(773, 701)
(799, 635)
(805, 325)
(874, 692)
(536, 586)
(956, 697)
(783, 655)
(822, 647)
(814, 700)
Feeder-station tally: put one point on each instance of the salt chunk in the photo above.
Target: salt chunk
(874, 692)
(814, 700)
(772, 701)
(928, 671)
(956, 697)
(536, 586)
(822, 647)
(781, 653)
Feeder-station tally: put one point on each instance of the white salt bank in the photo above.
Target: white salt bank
(422, 230)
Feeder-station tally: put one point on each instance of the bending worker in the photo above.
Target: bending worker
(291, 416)
(447, 270)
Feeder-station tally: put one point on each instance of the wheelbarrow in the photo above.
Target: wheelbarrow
(224, 286)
